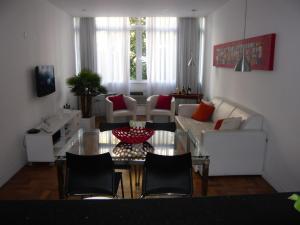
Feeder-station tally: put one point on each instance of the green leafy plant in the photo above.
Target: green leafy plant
(296, 198)
(86, 85)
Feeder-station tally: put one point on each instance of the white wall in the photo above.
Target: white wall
(32, 32)
(275, 94)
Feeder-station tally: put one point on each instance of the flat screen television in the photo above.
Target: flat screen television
(45, 81)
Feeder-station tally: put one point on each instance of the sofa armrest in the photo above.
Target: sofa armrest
(239, 151)
(173, 106)
(109, 110)
(186, 110)
(130, 103)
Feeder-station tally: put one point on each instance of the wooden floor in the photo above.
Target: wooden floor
(40, 182)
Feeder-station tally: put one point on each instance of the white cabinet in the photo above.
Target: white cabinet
(41, 147)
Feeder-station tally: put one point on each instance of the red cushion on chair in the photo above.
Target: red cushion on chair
(163, 102)
(118, 102)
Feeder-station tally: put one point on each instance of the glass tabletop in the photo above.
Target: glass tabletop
(95, 142)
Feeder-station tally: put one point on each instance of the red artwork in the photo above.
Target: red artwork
(258, 50)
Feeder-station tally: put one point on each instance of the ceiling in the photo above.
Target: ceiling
(179, 8)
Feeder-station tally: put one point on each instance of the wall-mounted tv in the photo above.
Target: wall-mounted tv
(45, 82)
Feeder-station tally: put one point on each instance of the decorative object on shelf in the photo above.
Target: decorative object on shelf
(296, 198)
(183, 92)
(133, 135)
(259, 50)
(127, 150)
(189, 90)
(86, 85)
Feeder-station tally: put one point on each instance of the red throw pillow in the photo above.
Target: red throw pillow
(218, 124)
(118, 102)
(232, 123)
(203, 112)
(163, 102)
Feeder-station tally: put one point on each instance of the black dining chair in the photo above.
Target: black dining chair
(162, 126)
(170, 126)
(110, 126)
(167, 175)
(91, 175)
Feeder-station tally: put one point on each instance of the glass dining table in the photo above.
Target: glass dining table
(95, 142)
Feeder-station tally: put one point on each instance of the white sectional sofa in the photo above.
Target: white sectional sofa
(232, 152)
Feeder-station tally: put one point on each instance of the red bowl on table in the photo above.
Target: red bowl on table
(133, 135)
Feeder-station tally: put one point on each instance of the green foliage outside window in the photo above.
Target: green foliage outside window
(135, 22)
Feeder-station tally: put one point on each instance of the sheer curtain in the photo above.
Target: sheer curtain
(161, 50)
(113, 52)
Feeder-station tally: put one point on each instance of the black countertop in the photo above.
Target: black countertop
(252, 209)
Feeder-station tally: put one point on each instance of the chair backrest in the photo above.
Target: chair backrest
(168, 174)
(162, 126)
(89, 174)
(111, 126)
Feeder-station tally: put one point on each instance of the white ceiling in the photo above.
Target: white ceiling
(179, 8)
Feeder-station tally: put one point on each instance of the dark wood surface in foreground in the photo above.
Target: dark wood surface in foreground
(40, 182)
(237, 210)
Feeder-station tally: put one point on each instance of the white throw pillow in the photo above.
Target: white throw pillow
(232, 123)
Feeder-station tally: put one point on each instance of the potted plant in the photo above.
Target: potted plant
(86, 84)
(296, 198)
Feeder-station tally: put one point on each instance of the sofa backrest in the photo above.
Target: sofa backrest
(226, 109)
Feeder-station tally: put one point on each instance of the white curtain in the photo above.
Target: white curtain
(113, 52)
(161, 50)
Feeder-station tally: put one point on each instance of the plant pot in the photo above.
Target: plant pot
(87, 123)
(86, 106)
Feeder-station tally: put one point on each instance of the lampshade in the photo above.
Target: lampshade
(243, 65)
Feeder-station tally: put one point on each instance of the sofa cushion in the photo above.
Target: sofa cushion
(162, 112)
(251, 120)
(217, 102)
(223, 111)
(203, 112)
(186, 123)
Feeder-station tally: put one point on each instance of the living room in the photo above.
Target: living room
(40, 32)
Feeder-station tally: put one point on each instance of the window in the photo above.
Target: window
(138, 65)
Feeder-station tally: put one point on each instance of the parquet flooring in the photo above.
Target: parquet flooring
(40, 182)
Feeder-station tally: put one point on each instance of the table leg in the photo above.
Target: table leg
(205, 170)
(60, 178)
(130, 180)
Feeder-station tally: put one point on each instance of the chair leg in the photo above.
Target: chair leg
(135, 176)
(122, 187)
(130, 180)
(139, 175)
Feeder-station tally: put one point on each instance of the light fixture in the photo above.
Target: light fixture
(243, 65)
(191, 61)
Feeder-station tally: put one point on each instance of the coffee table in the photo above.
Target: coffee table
(95, 142)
